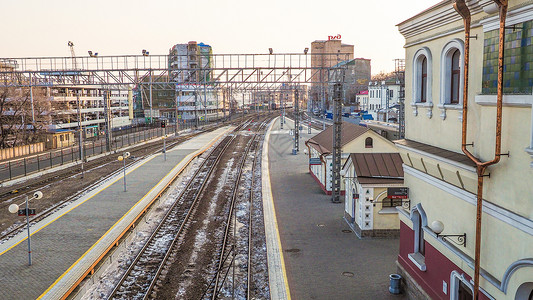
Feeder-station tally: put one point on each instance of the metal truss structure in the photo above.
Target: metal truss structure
(235, 71)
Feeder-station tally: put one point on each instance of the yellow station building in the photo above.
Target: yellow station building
(442, 180)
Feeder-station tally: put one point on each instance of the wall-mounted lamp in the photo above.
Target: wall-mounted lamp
(458, 239)
(91, 54)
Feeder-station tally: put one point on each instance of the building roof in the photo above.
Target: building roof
(323, 142)
(443, 153)
(381, 168)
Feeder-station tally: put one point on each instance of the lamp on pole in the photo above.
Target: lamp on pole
(164, 137)
(123, 159)
(14, 208)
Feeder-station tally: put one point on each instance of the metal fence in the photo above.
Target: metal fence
(45, 160)
(93, 146)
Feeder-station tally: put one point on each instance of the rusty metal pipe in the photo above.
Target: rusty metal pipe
(462, 9)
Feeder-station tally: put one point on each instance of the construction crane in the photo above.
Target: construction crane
(80, 129)
(73, 54)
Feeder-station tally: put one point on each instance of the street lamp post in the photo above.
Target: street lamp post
(165, 146)
(14, 208)
(123, 159)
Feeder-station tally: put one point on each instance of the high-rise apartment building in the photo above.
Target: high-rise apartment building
(190, 62)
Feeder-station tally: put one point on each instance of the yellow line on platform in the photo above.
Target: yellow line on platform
(104, 235)
(188, 157)
(66, 212)
(267, 168)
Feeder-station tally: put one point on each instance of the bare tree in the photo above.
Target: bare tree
(18, 125)
(382, 76)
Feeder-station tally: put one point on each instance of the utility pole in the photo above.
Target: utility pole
(32, 107)
(195, 107)
(176, 112)
(80, 132)
(107, 122)
(224, 91)
(281, 110)
(337, 150)
(400, 78)
(296, 122)
(205, 97)
(151, 113)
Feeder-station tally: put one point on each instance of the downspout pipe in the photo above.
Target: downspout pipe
(462, 9)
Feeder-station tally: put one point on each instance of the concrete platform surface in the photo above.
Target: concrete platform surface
(67, 243)
(323, 258)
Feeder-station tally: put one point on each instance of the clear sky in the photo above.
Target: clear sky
(33, 28)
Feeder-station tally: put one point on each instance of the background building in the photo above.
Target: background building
(326, 54)
(382, 99)
(355, 74)
(96, 107)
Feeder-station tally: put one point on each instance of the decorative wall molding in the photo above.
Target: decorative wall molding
(435, 17)
(528, 262)
(500, 213)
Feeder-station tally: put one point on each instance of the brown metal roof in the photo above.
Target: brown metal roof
(323, 142)
(383, 166)
(374, 180)
(454, 156)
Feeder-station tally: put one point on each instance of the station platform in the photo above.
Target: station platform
(312, 252)
(66, 244)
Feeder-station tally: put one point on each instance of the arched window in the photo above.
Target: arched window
(419, 219)
(369, 143)
(525, 291)
(422, 77)
(455, 77)
(420, 233)
(424, 80)
(451, 73)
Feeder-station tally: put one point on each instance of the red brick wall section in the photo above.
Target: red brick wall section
(438, 267)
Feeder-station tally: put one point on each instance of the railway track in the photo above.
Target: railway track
(145, 276)
(155, 252)
(139, 152)
(59, 205)
(230, 249)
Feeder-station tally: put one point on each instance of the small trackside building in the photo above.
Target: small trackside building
(368, 208)
(354, 139)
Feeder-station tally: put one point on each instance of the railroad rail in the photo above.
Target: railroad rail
(227, 250)
(39, 184)
(154, 254)
(46, 180)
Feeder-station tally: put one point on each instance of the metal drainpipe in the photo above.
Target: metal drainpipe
(462, 9)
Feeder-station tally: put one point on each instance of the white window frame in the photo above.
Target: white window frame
(455, 277)
(417, 82)
(417, 257)
(445, 76)
(417, 73)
